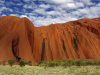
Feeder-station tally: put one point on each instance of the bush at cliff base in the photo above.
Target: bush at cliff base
(11, 62)
(21, 63)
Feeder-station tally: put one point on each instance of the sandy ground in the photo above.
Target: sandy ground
(36, 70)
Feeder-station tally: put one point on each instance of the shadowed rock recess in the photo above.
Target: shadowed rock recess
(21, 40)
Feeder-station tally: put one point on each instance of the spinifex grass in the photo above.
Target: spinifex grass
(37, 70)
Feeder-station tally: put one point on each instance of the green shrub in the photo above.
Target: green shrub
(65, 64)
(11, 62)
(81, 61)
(96, 62)
(51, 64)
(70, 62)
(90, 62)
(26, 63)
(29, 62)
(84, 62)
(56, 62)
(78, 63)
(39, 62)
(21, 63)
(36, 64)
(44, 62)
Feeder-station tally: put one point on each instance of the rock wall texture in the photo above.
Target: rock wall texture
(19, 38)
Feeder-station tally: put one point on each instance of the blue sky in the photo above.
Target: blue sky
(45, 12)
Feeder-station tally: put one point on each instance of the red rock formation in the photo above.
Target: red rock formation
(74, 39)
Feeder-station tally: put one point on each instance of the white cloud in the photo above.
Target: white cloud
(53, 13)
(61, 1)
(44, 6)
(28, 6)
(18, 4)
(4, 8)
(95, 10)
(31, 5)
(76, 13)
(10, 10)
(62, 10)
(79, 4)
(3, 14)
(23, 16)
(61, 16)
(57, 1)
(87, 12)
(72, 5)
(88, 2)
(32, 18)
(10, 3)
(28, 0)
(39, 11)
(2, 2)
(14, 15)
(48, 21)
(98, 4)
(30, 14)
(84, 11)
(47, 13)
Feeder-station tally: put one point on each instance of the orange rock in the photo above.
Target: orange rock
(74, 39)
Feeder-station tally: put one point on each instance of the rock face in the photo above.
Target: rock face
(20, 39)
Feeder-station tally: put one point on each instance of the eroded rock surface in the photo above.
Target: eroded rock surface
(21, 40)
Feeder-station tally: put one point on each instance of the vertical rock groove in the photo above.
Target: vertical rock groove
(15, 48)
(75, 39)
(43, 50)
(63, 46)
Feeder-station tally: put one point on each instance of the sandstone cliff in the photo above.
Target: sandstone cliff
(74, 39)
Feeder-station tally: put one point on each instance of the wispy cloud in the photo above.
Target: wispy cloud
(61, 1)
(2, 3)
(44, 6)
(30, 5)
(87, 2)
(14, 14)
(23, 16)
(45, 12)
(72, 5)
(5, 8)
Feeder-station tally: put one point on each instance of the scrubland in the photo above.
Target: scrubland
(56, 67)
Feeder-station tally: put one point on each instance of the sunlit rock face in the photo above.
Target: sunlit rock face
(21, 40)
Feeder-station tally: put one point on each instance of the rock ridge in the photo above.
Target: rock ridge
(21, 40)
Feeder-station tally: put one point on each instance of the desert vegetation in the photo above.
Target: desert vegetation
(21, 63)
(58, 67)
(11, 62)
(69, 62)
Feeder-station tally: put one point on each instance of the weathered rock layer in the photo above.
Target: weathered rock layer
(19, 38)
